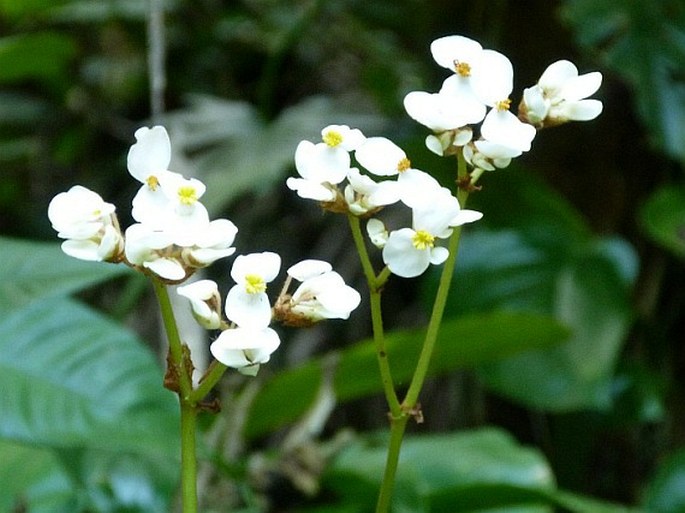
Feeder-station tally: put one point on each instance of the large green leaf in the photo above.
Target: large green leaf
(481, 470)
(34, 270)
(439, 470)
(539, 256)
(72, 379)
(462, 342)
(663, 218)
(21, 468)
(643, 42)
(589, 296)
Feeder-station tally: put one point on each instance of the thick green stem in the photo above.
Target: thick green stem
(397, 427)
(188, 457)
(375, 284)
(176, 352)
(181, 370)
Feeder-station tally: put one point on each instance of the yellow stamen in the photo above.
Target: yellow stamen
(152, 182)
(403, 164)
(254, 284)
(333, 138)
(423, 240)
(462, 68)
(187, 195)
(503, 105)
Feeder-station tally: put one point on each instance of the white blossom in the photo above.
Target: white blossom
(409, 251)
(205, 302)
(247, 304)
(322, 294)
(245, 349)
(560, 96)
(148, 248)
(87, 223)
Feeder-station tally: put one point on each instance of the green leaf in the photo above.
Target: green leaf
(38, 55)
(442, 472)
(642, 41)
(663, 218)
(480, 470)
(461, 342)
(73, 379)
(539, 256)
(35, 270)
(584, 286)
(22, 467)
(666, 492)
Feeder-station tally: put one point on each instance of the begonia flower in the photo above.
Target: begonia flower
(409, 251)
(205, 302)
(148, 248)
(247, 304)
(245, 349)
(148, 161)
(87, 223)
(561, 95)
(322, 294)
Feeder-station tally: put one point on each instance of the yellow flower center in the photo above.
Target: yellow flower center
(462, 68)
(423, 240)
(254, 284)
(152, 182)
(332, 138)
(503, 105)
(403, 164)
(187, 195)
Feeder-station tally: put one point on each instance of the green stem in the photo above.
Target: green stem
(397, 427)
(408, 407)
(175, 345)
(411, 398)
(375, 285)
(179, 360)
(214, 373)
(188, 457)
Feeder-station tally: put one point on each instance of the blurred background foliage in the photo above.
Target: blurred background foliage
(559, 379)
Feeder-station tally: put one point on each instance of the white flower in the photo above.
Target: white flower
(323, 165)
(245, 349)
(148, 162)
(322, 294)
(506, 135)
(85, 220)
(205, 302)
(342, 136)
(445, 110)
(409, 251)
(486, 74)
(147, 248)
(185, 218)
(363, 195)
(383, 157)
(211, 243)
(247, 303)
(560, 95)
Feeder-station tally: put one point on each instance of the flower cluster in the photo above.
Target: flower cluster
(246, 340)
(478, 93)
(327, 175)
(173, 236)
